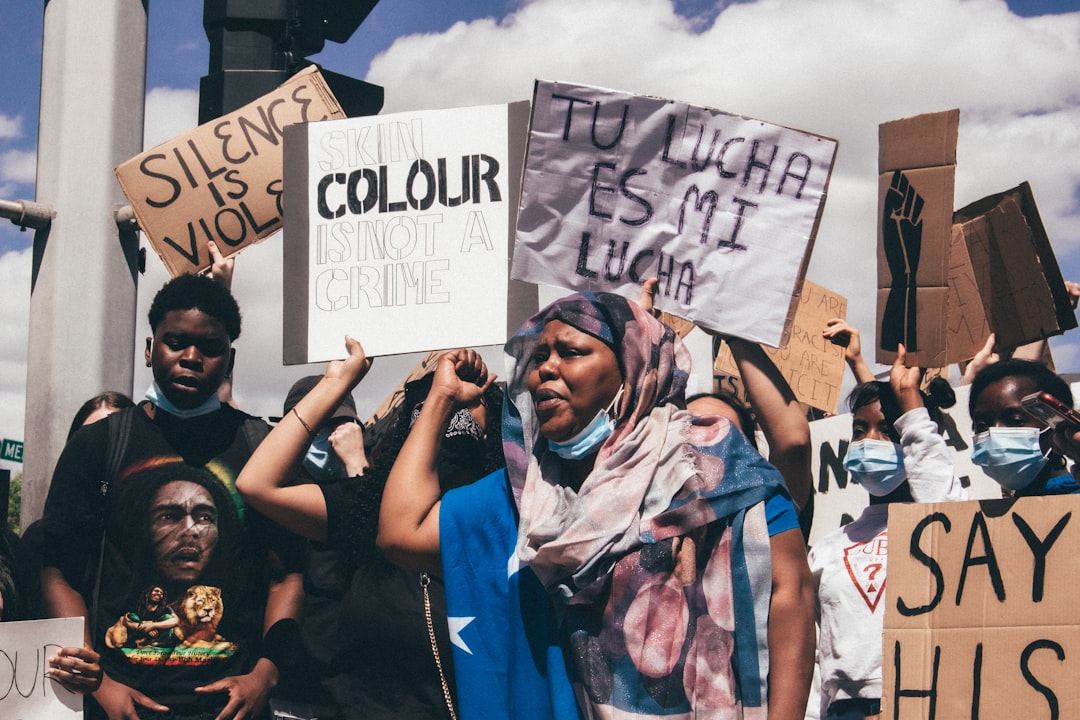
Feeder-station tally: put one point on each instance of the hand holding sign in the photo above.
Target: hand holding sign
(76, 668)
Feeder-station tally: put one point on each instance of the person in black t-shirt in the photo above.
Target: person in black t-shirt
(147, 499)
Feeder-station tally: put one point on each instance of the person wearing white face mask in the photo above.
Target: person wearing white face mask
(898, 455)
(1012, 446)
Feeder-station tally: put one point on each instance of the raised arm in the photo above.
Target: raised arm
(838, 332)
(262, 483)
(781, 416)
(409, 516)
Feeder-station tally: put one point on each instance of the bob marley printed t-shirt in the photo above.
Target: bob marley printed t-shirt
(186, 566)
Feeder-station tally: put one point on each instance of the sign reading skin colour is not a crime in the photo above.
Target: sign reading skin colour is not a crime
(723, 209)
(397, 231)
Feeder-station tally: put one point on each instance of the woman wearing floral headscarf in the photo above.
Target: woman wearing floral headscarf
(660, 550)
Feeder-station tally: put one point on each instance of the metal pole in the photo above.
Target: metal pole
(82, 305)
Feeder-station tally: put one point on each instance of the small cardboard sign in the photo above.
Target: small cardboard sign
(25, 649)
(917, 166)
(980, 616)
(1014, 270)
(397, 231)
(221, 181)
(812, 366)
(723, 209)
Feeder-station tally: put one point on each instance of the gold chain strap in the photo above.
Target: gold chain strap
(425, 580)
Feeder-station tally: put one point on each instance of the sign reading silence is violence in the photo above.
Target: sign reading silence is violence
(723, 209)
(221, 181)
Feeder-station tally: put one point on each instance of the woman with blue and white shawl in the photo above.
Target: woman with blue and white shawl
(660, 549)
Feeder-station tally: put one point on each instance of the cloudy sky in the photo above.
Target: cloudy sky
(832, 67)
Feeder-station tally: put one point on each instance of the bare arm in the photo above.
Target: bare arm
(791, 627)
(782, 417)
(409, 516)
(262, 482)
(838, 332)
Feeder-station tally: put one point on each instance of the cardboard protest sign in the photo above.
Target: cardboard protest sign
(723, 209)
(917, 166)
(812, 366)
(25, 649)
(980, 618)
(222, 180)
(1013, 268)
(397, 231)
(968, 326)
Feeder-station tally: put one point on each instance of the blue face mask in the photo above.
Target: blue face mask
(877, 465)
(154, 395)
(591, 437)
(321, 462)
(1011, 456)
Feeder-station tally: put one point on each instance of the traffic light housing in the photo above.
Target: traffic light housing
(255, 45)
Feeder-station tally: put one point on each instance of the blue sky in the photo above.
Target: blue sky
(834, 67)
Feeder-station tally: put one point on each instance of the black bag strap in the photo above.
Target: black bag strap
(119, 435)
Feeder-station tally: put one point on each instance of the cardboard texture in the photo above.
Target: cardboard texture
(968, 326)
(980, 619)
(1014, 269)
(221, 181)
(917, 169)
(397, 231)
(918, 142)
(812, 366)
(723, 209)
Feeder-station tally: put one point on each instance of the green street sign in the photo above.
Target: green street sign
(11, 450)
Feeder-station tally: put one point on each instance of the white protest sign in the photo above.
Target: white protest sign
(397, 230)
(723, 209)
(25, 649)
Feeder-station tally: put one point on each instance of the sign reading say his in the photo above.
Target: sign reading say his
(981, 611)
(397, 231)
(222, 180)
(722, 209)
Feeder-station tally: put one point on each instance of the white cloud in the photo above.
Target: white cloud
(834, 67)
(18, 166)
(169, 112)
(10, 127)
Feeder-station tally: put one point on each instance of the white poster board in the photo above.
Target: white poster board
(25, 649)
(397, 231)
(723, 209)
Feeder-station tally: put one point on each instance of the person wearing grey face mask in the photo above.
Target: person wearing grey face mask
(897, 454)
